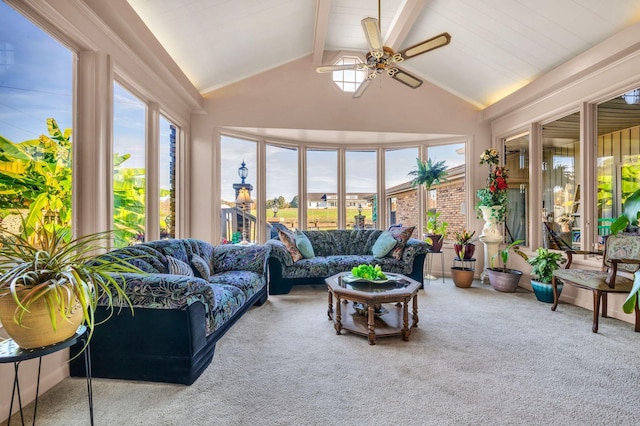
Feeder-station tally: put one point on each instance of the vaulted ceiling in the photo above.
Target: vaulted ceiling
(497, 46)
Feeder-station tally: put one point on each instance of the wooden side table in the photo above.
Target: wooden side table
(11, 352)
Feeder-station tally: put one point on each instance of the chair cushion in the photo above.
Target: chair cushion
(593, 279)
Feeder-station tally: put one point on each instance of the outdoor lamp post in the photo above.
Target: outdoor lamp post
(274, 207)
(243, 171)
(244, 199)
(359, 209)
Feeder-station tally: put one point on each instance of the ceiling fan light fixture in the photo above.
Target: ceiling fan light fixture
(632, 97)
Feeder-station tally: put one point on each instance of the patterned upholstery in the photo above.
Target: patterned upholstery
(621, 258)
(339, 251)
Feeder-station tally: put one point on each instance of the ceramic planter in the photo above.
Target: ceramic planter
(436, 242)
(544, 291)
(504, 279)
(469, 249)
(462, 277)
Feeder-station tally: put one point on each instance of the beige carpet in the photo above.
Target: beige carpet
(478, 357)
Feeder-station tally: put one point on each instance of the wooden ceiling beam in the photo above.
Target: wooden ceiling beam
(403, 22)
(323, 7)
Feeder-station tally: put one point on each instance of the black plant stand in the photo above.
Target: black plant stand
(11, 352)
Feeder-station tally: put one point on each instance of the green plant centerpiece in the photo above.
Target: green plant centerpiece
(503, 278)
(542, 266)
(51, 281)
(428, 174)
(368, 272)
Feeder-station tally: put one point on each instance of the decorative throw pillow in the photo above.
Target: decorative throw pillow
(384, 244)
(304, 245)
(401, 235)
(200, 267)
(289, 240)
(178, 267)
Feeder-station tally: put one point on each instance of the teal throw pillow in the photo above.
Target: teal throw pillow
(200, 267)
(384, 244)
(304, 245)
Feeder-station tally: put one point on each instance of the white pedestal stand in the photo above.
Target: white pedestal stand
(490, 237)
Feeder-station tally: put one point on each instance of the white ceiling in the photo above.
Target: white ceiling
(497, 46)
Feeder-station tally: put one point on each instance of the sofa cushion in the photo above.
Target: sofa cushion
(304, 245)
(401, 235)
(384, 244)
(178, 267)
(289, 240)
(200, 267)
(247, 281)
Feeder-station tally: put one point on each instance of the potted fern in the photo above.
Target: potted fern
(428, 174)
(51, 283)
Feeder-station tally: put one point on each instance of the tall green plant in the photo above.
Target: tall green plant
(36, 175)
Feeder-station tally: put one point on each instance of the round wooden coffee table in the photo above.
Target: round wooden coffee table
(377, 309)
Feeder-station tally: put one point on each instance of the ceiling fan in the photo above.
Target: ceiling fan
(382, 59)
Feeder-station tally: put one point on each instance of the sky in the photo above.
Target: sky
(36, 82)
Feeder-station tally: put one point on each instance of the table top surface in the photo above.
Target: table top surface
(399, 286)
(11, 352)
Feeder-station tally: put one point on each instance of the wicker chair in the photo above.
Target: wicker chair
(621, 258)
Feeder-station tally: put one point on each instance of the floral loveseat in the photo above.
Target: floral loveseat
(192, 294)
(339, 251)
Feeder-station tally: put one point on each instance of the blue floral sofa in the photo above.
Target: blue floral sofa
(339, 251)
(191, 294)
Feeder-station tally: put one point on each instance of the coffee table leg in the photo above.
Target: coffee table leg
(405, 321)
(415, 311)
(330, 310)
(338, 322)
(371, 323)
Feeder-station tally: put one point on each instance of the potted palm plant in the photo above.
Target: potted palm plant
(542, 266)
(51, 283)
(428, 174)
(503, 278)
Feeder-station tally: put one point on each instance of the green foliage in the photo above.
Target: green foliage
(544, 263)
(506, 251)
(128, 201)
(368, 272)
(294, 202)
(36, 175)
(45, 263)
(464, 237)
(429, 173)
(434, 226)
(630, 211)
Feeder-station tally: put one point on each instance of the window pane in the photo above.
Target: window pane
(282, 188)
(30, 94)
(449, 198)
(361, 182)
(618, 159)
(167, 178)
(400, 198)
(129, 176)
(238, 219)
(517, 165)
(322, 189)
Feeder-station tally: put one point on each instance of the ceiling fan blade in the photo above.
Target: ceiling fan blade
(331, 68)
(404, 77)
(427, 45)
(362, 88)
(372, 34)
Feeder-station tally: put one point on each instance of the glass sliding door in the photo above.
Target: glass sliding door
(517, 164)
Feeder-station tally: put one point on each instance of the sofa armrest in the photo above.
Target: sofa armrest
(163, 291)
(280, 252)
(229, 257)
(413, 248)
